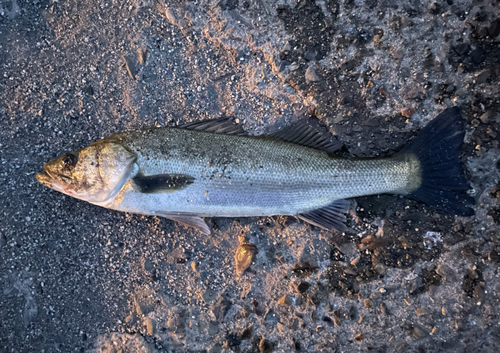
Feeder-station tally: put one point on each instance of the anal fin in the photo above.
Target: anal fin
(188, 220)
(328, 217)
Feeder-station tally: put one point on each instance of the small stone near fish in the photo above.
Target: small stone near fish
(285, 300)
(265, 346)
(311, 75)
(244, 257)
(383, 309)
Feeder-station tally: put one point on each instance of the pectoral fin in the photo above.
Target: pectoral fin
(188, 220)
(329, 217)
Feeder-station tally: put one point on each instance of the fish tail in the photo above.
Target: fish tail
(437, 147)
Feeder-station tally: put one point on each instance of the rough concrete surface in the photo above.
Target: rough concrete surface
(405, 278)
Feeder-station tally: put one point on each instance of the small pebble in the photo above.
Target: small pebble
(435, 8)
(406, 22)
(285, 300)
(383, 309)
(420, 311)
(419, 331)
(286, 47)
(381, 269)
(265, 346)
(150, 326)
(244, 257)
(494, 256)
(311, 75)
(302, 287)
(486, 117)
(407, 112)
(482, 32)
(496, 289)
(400, 346)
(368, 303)
(336, 318)
(494, 28)
(445, 271)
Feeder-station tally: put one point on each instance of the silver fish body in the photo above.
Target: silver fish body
(210, 171)
(237, 176)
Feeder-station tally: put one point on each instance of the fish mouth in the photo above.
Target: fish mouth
(45, 179)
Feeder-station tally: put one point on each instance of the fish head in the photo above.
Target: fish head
(94, 174)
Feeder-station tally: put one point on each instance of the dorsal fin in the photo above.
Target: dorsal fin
(304, 134)
(218, 126)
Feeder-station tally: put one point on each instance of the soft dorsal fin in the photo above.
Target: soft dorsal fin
(218, 126)
(304, 134)
(329, 217)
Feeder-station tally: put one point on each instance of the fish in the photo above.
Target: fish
(215, 169)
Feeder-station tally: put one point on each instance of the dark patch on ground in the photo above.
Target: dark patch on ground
(473, 284)
(342, 280)
(312, 30)
(495, 214)
(228, 4)
(425, 281)
(472, 59)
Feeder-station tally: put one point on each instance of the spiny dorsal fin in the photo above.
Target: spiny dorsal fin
(304, 134)
(159, 183)
(218, 126)
(329, 217)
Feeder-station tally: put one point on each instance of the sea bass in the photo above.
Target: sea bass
(211, 169)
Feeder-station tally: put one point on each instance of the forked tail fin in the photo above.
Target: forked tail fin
(437, 147)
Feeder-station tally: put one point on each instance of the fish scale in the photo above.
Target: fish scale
(253, 177)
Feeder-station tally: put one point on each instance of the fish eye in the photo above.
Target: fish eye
(69, 160)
